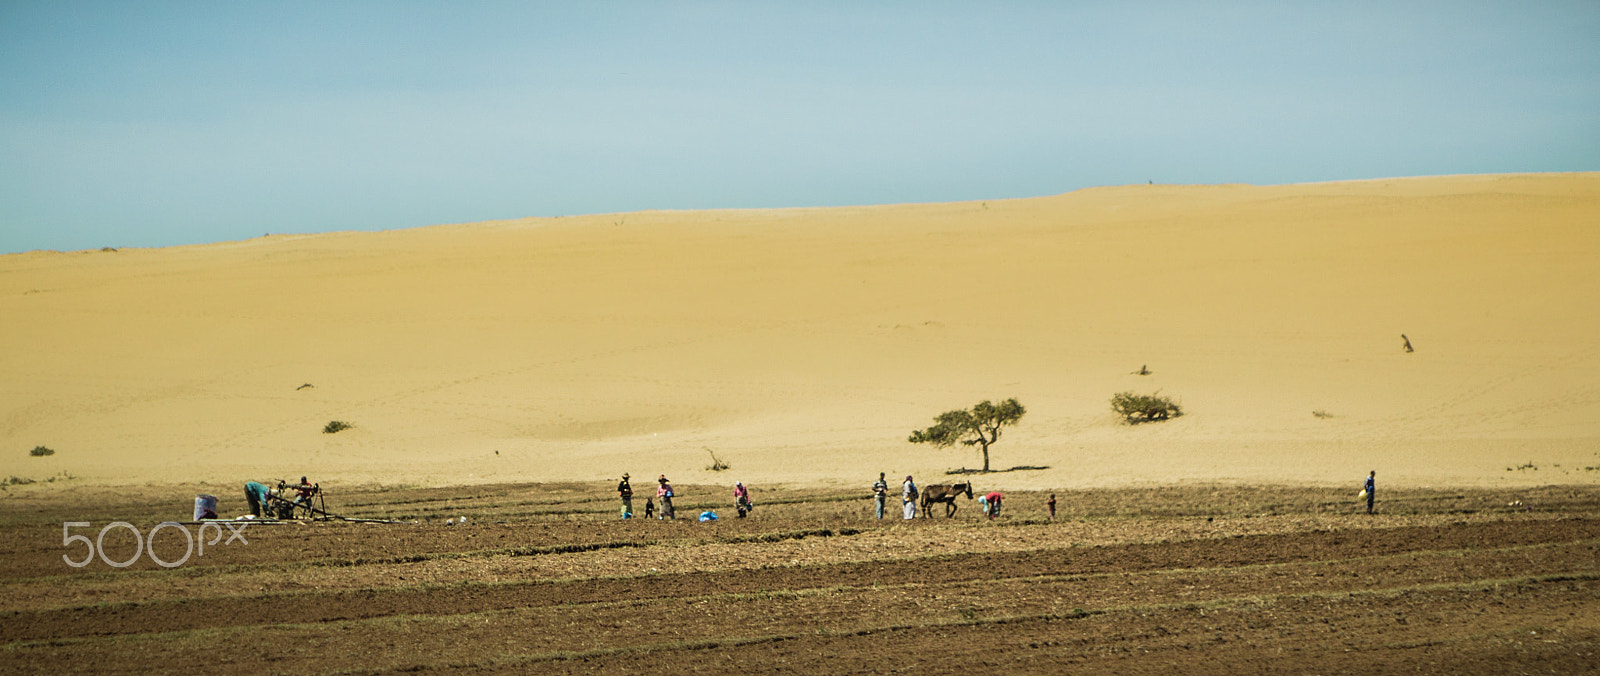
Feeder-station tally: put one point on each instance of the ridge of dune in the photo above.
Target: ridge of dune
(803, 345)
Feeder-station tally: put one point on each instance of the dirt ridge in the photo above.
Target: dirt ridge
(166, 616)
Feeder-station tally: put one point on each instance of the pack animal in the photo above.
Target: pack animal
(946, 495)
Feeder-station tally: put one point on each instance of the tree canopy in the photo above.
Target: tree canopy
(979, 426)
(1143, 408)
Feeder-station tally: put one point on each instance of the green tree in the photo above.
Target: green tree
(977, 427)
(1143, 408)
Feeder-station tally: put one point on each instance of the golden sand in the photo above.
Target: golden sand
(804, 345)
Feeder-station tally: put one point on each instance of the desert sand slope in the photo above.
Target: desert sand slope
(803, 345)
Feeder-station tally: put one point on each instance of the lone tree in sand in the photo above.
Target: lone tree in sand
(977, 427)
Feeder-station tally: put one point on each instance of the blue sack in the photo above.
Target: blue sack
(708, 515)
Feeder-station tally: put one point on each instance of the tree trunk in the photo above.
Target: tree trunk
(985, 455)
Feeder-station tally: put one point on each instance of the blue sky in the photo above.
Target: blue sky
(163, 123)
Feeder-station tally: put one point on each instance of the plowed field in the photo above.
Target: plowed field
(545, 578)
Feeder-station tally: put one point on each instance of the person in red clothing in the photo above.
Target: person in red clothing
(741, 498)
(994, 503)
(1051, 503)
(664, 491)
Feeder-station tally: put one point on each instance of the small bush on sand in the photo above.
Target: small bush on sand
(1143, 408)
(41, 451)
(336, 426)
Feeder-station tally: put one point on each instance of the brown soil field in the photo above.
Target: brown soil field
(544, 577)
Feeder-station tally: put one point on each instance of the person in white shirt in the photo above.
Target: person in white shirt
(908, 498)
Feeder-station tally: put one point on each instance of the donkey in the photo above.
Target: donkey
(946, 495)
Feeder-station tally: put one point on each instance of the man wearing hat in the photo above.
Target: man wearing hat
(625, 491)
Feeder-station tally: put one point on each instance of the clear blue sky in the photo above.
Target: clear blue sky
(161, 123)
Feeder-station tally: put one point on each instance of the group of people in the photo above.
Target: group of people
(991, 502)
(664, 493)
(910, 494)
(258, 495)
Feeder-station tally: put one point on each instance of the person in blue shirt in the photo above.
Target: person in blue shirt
(256, 494)
(1369, 488)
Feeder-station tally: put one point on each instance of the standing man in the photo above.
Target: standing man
(1051, 503)
(625, 491)
(1369, 488)
(880, 493)
(908, 498)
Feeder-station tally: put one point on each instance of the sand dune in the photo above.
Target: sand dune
(803, 345)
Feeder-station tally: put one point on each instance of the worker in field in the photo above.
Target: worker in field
(304, 490)
(908, 498)
(664, 492)
(880, 493)
(741, 498)
(625, 492)
(994, 499)
(256, 494)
